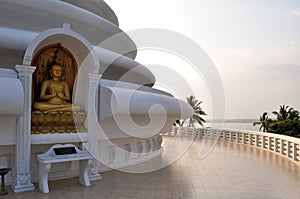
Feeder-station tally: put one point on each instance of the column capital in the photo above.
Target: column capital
(94, 77)
(25, 69)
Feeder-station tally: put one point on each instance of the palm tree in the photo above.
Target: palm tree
(283, 112)
(198, 112)
(286, 112)
(263, 122)
(293, 114)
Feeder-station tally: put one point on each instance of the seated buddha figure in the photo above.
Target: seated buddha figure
(55, 93)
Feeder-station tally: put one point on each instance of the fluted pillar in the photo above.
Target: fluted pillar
(93, 129)
(23, 145)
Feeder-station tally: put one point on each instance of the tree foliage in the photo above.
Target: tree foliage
(287, 122)
(198, 112)
(264, 122)
(286, 112)
(286, 127)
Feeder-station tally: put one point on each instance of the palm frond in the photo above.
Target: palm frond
(198, 112)
(256, 123)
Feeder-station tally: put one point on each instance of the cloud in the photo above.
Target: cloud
(284, 71)
(295, 13)
(258, 57)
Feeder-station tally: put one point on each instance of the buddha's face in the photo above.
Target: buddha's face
(56, 70)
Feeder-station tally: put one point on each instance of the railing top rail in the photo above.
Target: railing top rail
(282, 137)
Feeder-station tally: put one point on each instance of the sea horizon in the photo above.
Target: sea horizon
(233, 125)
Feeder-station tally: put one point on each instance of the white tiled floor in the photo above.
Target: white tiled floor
(229, 171)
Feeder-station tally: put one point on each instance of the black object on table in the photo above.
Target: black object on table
(3, 172)
(65, 150)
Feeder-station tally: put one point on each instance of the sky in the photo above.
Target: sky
(254, 45)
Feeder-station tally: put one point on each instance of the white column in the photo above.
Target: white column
(176, 129)
(23, 177)
(264, 142)
(289, 151)
(276, 144)
(257, 141)
(244, 138)
(282, 149)
(93, 125)
(295, 152)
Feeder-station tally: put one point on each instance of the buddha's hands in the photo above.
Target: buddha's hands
(60, 95)
(52, 94)
(55, 93)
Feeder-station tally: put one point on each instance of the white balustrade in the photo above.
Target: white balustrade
(285, 146)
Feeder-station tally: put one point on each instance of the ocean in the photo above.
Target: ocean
(230, 125)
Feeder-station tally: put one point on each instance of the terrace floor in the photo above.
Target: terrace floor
(228, 171)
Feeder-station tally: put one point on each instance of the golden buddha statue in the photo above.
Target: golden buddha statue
(56, 93)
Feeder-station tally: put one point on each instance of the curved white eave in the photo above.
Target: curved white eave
(117, 67)
(135, 100)
(16, 39)
(131, 86)
(39, 16)
(97, 7)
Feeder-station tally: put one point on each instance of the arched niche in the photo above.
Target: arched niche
(44, 59)
(78, 47)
